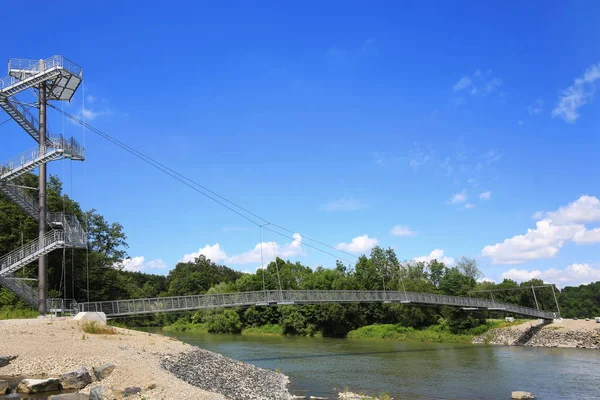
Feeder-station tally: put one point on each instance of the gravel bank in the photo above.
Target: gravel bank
(234, 379)
(568, 333)
(51, 347)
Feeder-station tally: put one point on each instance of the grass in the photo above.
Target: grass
(17, 313)
(186, 327)
(94, 328)
(265, 330)
(431, 334)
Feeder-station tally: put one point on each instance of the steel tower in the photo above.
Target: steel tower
(55, 78)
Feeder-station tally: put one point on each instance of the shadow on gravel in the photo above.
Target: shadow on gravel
(529, 334)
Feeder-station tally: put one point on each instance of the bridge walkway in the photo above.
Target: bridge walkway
(121, 308)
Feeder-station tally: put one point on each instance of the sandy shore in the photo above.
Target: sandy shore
(52, 347)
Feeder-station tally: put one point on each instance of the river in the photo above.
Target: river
(325, 366)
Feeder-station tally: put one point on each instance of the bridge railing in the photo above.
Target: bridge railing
(282, 297)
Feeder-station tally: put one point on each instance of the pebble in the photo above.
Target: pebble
(233, 379)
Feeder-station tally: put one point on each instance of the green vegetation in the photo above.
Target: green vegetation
(380, 270)
(440, 333)
(92, 327)
(181, 326)
(17, 313)
(265, 330)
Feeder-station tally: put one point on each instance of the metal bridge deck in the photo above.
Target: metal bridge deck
(119, 308)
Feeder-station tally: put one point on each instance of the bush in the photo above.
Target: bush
(227, 321)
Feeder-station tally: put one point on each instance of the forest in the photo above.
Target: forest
(71, 272)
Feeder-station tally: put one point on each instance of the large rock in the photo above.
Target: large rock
(77, 379)
(519, 395)
(104, 393)
(5, 360)
(38, 385)
(104, 371)
(69, 396)
(3, 387)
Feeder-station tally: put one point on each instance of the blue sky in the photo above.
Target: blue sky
(436, 128)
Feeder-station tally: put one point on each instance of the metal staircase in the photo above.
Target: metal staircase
(60, 78)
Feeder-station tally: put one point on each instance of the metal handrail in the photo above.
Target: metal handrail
(33, 67)
(30, 249)
(185, 303)
(24, 197)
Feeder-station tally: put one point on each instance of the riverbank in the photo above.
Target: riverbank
(567, 333)
(51, 347)
(396, 332)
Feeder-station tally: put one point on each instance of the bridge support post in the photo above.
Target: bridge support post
(43, 260)
(535, 298)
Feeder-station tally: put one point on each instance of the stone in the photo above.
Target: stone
(77, 379)
(104, 393)
(104, 371)
(350, 396)
(3, 387)
(317, 398)
(38, 385)
(69, 396)
(12, 396)
(297, 397)
(5, 360)
(130, 391)
(151, 386)
(99, 317)
(520, 395)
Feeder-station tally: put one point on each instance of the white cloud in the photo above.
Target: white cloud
(90, 98)
(137, 264)
(343, 204)
(491, 157)
(436, 254)
(573, 275)
(485, 196)
(556, 229)
(492, 85)
(587, 237)
(537, 107)
(214, 253)
(463, 83)
(578, 94)
(360, 244)
(583, 210)
(481, 84)
(270, 250)
(402, 230)
(468, 206)
(458, 198)
(418, 157)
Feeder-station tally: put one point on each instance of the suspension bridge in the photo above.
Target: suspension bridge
(57, 78)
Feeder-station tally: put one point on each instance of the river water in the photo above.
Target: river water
(325, 366)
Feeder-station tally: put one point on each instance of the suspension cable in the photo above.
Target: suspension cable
(224, 202)
(87, 220)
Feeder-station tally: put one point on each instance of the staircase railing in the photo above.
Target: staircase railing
(21, 256)
(27, 203)
(56, 145)
(19, 287)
